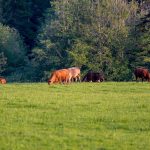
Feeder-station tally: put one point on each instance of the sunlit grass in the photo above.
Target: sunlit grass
(88, 116)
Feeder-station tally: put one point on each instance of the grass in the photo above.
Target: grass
(81, 116)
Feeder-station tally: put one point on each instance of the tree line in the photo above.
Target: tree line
(37, 37)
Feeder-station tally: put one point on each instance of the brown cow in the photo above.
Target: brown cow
(74, 74)
(59, 76)
(142, 73)
(2, 81)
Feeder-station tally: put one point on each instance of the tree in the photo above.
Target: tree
(3, 61)
(0, 10)
(143, 38)
(11, 46)
(25, 16)
(138, 43)
(90, 33)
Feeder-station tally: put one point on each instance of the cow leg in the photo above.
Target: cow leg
(79, 78)
(61, 81)
(76, 79)
(69, 79)
(72, 80)
(136, 78)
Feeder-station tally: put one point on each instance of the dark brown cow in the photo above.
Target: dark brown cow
(93, 77)
(59, 76)
(142, 73)
(2, 81)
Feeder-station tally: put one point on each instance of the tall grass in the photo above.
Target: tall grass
(81, 116)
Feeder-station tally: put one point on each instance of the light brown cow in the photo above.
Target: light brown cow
(59, 76)
(74, 74)
(2, 81)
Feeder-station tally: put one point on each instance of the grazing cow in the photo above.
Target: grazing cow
(59, 76)
(142, 73)
(2, 81)
(74, 74)
(93, 77)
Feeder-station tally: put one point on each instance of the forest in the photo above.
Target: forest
(37, 37)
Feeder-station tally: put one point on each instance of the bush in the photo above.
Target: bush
(12, 46)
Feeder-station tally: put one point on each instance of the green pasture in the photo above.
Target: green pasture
(79, 116)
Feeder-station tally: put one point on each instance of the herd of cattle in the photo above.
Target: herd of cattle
(74, 74)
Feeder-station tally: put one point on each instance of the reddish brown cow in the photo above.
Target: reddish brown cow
(142, 73)
(59, 76)
(74, 74)
(2, 81)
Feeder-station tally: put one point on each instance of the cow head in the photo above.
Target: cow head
(52, 79)
(49, 81)
(102, 79)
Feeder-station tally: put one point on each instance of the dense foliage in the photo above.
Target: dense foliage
(26, 16)
(93, 34)
(11, 47)
(107, 36)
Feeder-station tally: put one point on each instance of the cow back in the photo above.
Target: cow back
(74, 71)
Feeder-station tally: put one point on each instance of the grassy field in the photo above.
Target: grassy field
(81, 116)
